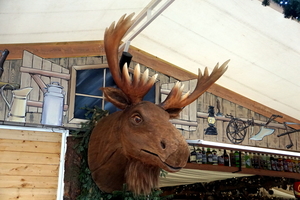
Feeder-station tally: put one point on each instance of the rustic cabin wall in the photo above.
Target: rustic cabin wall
(13, 74)
(29, 164)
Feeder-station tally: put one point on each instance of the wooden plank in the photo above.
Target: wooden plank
(56, 50)
(30, 146)
(193, 105)
(56, 74)
(15, 169)
(256, 129)
(29, 157)
(77, 61)
(228, 108)
(27, 62)
(27, 194)
(65, 84)
(55, 68)
(14, 71)
(30, 135)
(264, 141)
(220, 124)
(28, 182)
(273, 140)
(200, 121)
(241, 112)
(3, 107)
(184, 114)
(35, 92)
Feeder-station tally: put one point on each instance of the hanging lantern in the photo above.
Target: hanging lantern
(211, 130)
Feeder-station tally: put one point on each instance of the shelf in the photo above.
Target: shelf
(261, 172)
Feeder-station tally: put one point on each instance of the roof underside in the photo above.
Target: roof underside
(263, 46)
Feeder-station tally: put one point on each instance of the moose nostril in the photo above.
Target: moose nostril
(162, 144)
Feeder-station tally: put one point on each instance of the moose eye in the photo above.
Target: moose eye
(136, 119)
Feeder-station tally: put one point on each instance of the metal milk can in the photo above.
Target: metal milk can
(17, 106)
(53, 105)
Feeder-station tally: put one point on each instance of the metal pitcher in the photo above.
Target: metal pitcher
(17, 105)
(53, 105)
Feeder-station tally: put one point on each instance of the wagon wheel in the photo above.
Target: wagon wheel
(236, 131)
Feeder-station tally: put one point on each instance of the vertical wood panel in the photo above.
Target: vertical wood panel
(27, 62)
(200, 108)
(228, 108)
(35, 92)
(273, 140)
(7, 94)
(47, 67)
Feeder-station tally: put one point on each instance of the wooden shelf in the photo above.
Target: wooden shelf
(261, 172)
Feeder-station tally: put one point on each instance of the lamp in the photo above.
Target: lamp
(211, 130)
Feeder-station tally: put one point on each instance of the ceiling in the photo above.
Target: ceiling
(263, 46)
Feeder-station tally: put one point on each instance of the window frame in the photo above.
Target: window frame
(72, 90)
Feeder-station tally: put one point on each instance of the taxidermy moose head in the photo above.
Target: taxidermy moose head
(132, 146)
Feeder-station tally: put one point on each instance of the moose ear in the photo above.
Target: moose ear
(174, 112)
(116, 97)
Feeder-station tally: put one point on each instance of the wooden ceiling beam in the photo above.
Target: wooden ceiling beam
(96, 48)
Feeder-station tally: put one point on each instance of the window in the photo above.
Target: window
(85, 85)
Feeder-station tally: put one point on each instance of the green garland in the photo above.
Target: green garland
(291, 8)
(89, 190)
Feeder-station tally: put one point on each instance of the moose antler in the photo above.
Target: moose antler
(134, 89)
(176, 101)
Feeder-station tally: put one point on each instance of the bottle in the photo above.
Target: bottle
(198, 156)
(204, 158)
(261, 161)
(247, 160)
(232, 159)
(237, 159)
(295, 164)
(265, 158)
(290, 164)
(193, 155)
(243, 162)
(285, 162)
(209, 156)
(214, 157)
(280, 164)
(220, 158)
(254, 161)
(273, 163)
(226, 158)
(258, 161)
(251, 159)
(268, 160)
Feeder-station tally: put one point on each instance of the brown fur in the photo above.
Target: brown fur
(132, 145)
(140, 177)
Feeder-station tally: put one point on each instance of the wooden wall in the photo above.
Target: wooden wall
(227, 107)
(13, 75)
(29, 164)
